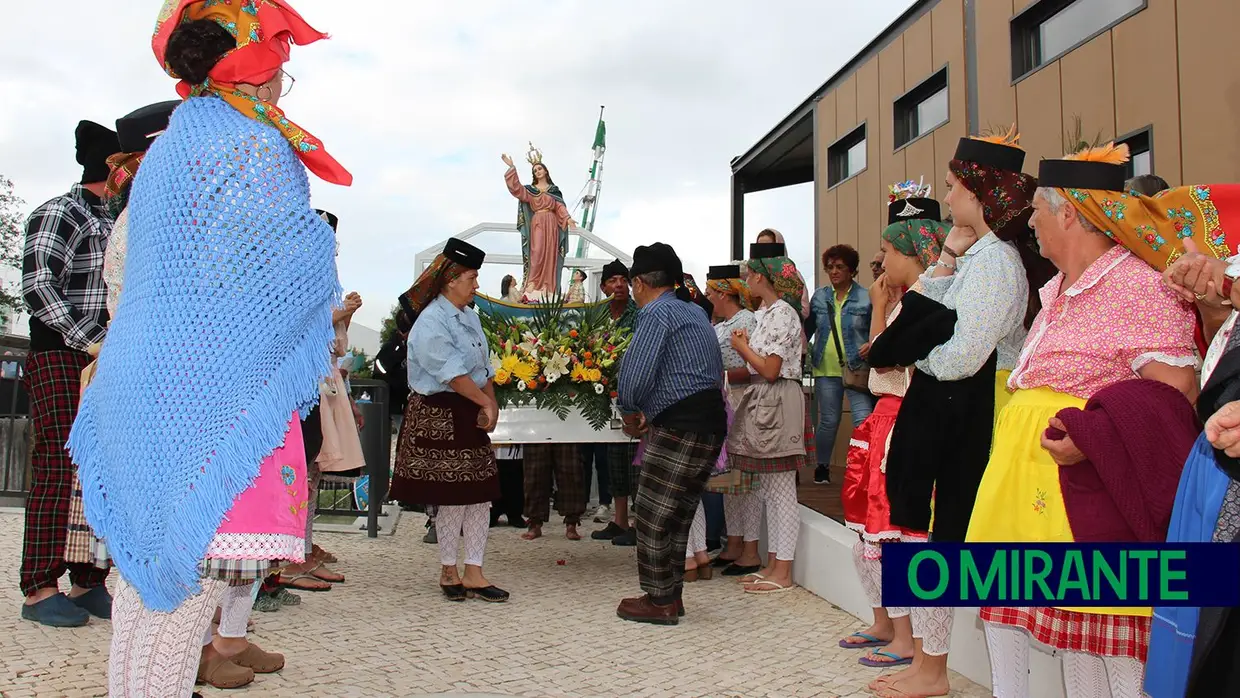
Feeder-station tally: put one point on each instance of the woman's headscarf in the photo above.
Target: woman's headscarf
(457, 258)
(1006, 195)
(920, 238)
(783, 275)
(122, 167)
(804, 306)
(264, 30)
(736, 288)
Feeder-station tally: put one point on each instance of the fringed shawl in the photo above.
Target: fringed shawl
(223, 331)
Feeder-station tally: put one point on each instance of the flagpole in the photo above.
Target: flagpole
(595, 186)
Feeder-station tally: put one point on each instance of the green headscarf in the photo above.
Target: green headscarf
(783, 275)
(921, 238)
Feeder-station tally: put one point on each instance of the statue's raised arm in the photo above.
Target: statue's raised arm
(544, 222)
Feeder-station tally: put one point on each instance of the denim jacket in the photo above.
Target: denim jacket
(855, 319)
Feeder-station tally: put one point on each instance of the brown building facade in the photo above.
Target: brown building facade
(1157, 74)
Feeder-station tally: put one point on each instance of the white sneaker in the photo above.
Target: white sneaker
(602, 514)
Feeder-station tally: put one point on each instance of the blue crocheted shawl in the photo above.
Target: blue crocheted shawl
(223, 330)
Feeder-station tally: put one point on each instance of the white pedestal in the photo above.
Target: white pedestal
(531, 425)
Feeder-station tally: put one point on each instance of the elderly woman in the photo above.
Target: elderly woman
(981, 280)
(1106, 318)
(768, 429)
(910, 245)
(444, 456)
(742, 512)
(197, 482)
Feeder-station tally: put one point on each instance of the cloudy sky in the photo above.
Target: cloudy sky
(419, 99)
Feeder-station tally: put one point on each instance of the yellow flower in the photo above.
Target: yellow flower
(525, 371)
(595, 375)
(502, 377)
(509, 362)
(579, 373)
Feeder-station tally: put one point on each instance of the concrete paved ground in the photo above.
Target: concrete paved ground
(388, 632)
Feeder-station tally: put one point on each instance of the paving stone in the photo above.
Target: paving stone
(388, 631)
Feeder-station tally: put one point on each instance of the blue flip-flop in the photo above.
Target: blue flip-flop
(897, 660)
(870, 641)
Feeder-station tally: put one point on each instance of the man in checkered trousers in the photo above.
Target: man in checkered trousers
(62, 284)
(671, 394)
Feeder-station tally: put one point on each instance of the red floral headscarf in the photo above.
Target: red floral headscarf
(265, 30)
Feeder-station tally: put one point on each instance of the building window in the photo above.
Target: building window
(1050, 28)
(922, 109)
(846, 157)
(1140, 152)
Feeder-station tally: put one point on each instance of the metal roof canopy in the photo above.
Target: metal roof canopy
(785, 156)
(592, 266)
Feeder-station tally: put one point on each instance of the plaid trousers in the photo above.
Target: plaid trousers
(53, 381)
(563, 462)
(674, 471)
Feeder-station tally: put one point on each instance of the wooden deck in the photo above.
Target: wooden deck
(824, 499)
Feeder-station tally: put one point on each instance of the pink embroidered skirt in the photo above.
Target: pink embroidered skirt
(267, 522)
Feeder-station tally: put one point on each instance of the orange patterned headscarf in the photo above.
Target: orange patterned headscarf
(264, 29)
(733, 287)
(1154, 227)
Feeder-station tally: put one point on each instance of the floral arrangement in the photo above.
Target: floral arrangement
(908, 189)
(561, 359)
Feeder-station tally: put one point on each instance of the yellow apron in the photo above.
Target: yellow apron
(1002, 397)
(1020, 500)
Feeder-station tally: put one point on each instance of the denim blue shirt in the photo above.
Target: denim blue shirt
(446, 343)
(854, 316)
(674, 354)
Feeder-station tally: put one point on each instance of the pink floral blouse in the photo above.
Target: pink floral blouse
(1117, 318)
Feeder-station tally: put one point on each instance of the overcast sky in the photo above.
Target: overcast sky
(419, 99)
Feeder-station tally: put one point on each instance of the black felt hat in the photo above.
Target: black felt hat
(996, 155)
(138, 129)
(766, 250)
(464, 253)
(657, 257)
(614, 268)
(913, 208)
(1081, 174)
(95, 144)
(328, 217)
(724, 272)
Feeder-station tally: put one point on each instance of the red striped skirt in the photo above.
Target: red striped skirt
(1094, 633)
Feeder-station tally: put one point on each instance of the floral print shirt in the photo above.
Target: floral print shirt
(990, 295)
(779, 333)
(1116, 319)
(114, 260)
(742, 320)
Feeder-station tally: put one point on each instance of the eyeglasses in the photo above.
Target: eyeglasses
(289, 81)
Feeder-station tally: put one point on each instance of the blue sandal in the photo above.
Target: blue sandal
(870, 641)
(896, 660)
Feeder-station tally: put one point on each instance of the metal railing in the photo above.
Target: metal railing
(15, 430)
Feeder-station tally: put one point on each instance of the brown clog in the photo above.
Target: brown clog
(224, 673)
(254, 658)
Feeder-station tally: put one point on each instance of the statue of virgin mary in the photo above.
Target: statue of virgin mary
(544, 222)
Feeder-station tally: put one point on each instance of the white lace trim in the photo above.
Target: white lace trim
(1159, 357)
(256, 546)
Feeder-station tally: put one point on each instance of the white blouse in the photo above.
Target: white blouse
(114, 260)
(742, 320)
(779, 333)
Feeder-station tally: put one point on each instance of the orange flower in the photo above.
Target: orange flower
(589, 363)
(614, 395)
(572, 333)
(532, 384)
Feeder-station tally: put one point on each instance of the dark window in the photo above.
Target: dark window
(846, 157)
(922, 110)
(1048, 29)
(1140, 153)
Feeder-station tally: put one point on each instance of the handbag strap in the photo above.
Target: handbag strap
(835, 335)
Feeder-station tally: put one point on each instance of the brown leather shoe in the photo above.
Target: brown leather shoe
(642, 610)
(223, 673)
(253, 657)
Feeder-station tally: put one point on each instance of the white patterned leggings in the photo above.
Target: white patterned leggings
(153, 654)
(471, 522)
(1084, 675)
(697, 533)
(870, 570)
(777, 492)
(742, 513)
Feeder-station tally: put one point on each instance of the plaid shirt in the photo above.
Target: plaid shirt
(62, 267)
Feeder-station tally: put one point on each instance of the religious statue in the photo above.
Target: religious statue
(544, 222)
